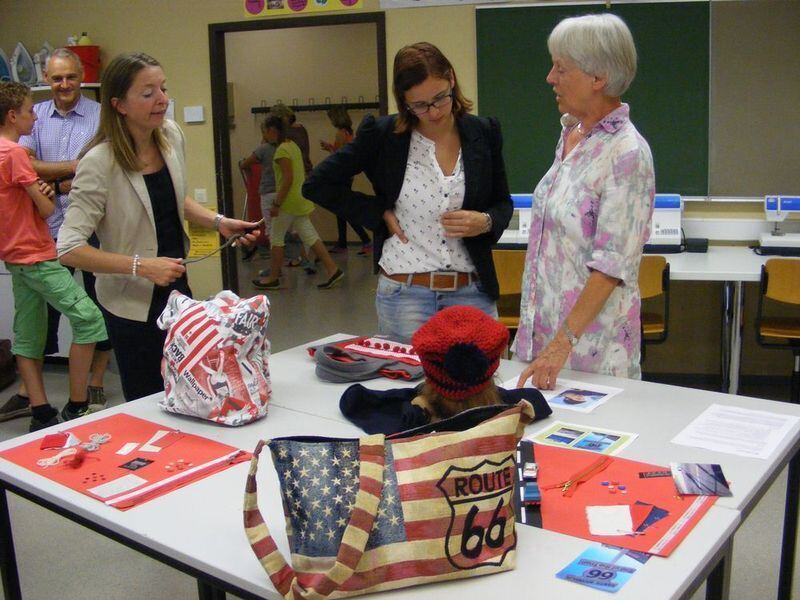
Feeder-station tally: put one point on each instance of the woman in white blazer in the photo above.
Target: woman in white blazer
(130, 188)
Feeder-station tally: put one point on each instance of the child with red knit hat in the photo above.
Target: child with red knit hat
(460, 349)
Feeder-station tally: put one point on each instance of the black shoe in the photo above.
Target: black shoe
(16, 406)
(335, 278)
(249, 252)
(37, 425)
(68, 413)
(269, 285)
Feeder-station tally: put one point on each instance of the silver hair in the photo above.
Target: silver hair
(600, 45)
(67, 54)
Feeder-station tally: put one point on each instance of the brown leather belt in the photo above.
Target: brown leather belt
(438, 281)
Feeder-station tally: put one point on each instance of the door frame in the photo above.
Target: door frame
(219, 101)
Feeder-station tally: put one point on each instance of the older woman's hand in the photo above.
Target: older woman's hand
(464, 223)
(544, 369)
(161, 270)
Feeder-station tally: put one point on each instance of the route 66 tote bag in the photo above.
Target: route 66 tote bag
(371, 514)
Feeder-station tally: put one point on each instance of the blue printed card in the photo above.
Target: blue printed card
(603, 567)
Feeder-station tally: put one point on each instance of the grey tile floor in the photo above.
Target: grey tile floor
(60, 559)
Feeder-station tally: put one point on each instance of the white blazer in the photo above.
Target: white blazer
(114, 203)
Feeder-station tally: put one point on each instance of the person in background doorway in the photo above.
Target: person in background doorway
(130, 188)
(290, 210)
(341, 120)
(64, 125)
(591, 214)
(441, 196)
(37, 278)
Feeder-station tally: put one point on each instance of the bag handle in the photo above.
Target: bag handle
(354, 540)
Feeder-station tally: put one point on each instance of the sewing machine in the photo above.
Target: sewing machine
(777, 208)
(665, 228)
(519, 227)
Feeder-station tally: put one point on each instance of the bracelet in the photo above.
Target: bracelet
(488, 222)
(56, 186)
(217, 221)
(573, 339)
(137, 260)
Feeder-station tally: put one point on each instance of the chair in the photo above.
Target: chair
(654, 282)
(780, 282)
(509, 265)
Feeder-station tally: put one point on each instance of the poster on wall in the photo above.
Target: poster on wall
(274, 8)
(387, 4)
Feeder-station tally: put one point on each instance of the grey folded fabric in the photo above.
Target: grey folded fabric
(339, 366)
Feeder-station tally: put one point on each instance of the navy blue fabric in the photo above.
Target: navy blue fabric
(390, 411)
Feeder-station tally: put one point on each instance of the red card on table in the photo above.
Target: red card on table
(567, 514)
(123, 480)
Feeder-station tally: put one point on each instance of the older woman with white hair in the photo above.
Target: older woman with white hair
(591, 214)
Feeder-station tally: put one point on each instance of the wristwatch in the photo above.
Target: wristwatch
(573, 339)
(57, 187)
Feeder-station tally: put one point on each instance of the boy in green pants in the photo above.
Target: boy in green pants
(36, 275)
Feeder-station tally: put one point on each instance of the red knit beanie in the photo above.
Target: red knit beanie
(460, 350)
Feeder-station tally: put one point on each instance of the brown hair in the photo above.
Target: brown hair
(414, 64)
(340, 118)
(117, 80)
(12, 97)
(440, 407)
(278, 123)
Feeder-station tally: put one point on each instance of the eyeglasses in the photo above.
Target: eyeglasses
(420, 108)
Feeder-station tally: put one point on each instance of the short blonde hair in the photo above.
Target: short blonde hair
(600, 45)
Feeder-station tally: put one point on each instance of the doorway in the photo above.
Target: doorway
(307, 63)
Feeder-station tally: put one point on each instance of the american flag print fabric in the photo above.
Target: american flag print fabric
(374, 514)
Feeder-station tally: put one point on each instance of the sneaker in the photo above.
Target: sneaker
(335, 278)
(37, 425)
(267, 285)
(68, 413)
(366, 250)
(95, 394)
(248, 253)
(16, 406)
(294, 262)
(308, 267)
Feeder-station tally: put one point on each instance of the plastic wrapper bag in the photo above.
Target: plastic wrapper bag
(216, 357)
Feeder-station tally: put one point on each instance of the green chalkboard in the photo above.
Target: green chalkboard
(669, 98)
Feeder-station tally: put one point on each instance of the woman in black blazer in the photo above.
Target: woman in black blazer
(441, 196)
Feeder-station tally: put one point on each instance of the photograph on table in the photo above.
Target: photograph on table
(574, 395)
(571, 435)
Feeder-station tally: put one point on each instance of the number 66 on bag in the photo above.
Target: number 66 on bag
(376, 514)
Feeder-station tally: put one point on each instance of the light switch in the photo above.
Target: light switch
(193, 114)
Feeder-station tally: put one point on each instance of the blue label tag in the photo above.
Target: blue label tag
(603, 567)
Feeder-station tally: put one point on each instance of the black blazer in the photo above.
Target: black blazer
(381, 155)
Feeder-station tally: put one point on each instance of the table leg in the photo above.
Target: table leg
(8, 559)
(718, 583)
(789, 529)
(736, 338)
(727, 334)
(206, 591)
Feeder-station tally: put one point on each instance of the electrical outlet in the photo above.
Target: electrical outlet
(200, 195)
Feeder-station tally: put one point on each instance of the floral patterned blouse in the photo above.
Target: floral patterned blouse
(591, 211)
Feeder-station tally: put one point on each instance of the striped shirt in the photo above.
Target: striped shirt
(57, 138)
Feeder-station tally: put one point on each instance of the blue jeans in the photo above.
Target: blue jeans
(403, 308)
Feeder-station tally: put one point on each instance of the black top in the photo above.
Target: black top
(169, 233)
(382, 155)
